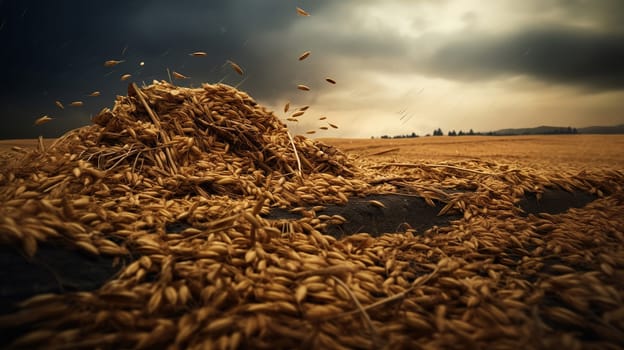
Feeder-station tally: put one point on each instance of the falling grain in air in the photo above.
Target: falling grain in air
(179, 75)
(95, 94)
(112, 63)
(304, 55)
(330, 80)
(322, 118)
(59, 104)
(297, 114)
(76, 104)
(286, 107)
(303, 87)
(323, 128)
(302, 12)
(125, 77)
(236, 68)
(42, 120)
(198, 54)
(303, 108)
(333, 126)
(311, 132)
(292, 119)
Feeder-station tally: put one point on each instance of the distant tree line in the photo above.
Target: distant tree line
(439, 132)
(406, 136)
(460, 133)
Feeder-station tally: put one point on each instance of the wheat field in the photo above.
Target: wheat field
(572, 151)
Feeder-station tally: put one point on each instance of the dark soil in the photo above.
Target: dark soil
(51, 270)
(554, 201)
(400, 212)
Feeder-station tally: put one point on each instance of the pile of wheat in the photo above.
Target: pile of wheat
(212, 161)
(166, 154)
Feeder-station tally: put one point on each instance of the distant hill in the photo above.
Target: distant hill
(616, 129)
(541, 130)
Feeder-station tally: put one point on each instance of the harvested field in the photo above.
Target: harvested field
(200, 222)
(571, 152)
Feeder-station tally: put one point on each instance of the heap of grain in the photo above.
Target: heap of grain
(210, 161)
(215, 123)
(166, 154)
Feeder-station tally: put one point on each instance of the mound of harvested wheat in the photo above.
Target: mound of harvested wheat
(178, 179)
(166, 154)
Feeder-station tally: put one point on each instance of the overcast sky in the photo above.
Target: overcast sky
(401, 66)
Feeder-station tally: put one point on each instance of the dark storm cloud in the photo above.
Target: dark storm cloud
(605, 14)
(564, 55)
(55, 50)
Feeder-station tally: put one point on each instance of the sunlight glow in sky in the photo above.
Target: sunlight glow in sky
(402, 66)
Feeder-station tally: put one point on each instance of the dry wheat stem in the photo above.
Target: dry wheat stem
(365, 316)
(391, 298)
(292, 142)
(156, 122)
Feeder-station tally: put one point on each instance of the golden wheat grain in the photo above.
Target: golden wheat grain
(59, 104)
(88, 247)
(177, 75)
(125, 77)
(607, 269)
(250, 256)
(303, 87)
(220, 325)
(171, 295)
(198, 54)
(236, 68)
(473, 301)
(330, 80)
(376, 203)
(304, 55)
(42, 120)
(112, 63)
(302, 12)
